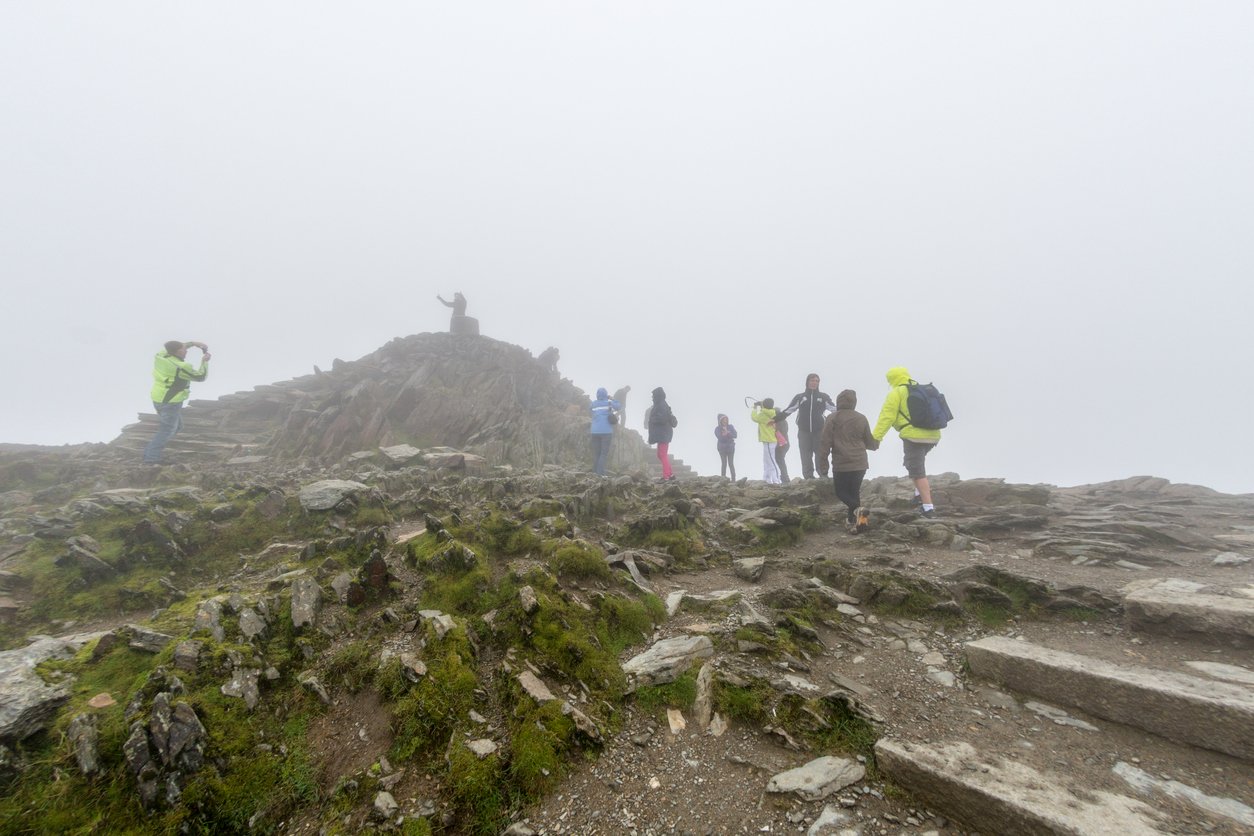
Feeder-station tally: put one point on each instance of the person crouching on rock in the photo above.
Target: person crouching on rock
(662, 424)
(726, 435)
(603, 411)
(172, 378)
(846, 437)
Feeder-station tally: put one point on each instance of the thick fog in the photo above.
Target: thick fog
(1045, 208)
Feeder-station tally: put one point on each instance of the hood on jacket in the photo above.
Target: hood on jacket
(722, 418)
(659, 394)
(602, 394)
(898, 376)
(848, 399)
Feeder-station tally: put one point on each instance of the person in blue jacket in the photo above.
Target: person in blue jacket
(604, 416)
(726, 435)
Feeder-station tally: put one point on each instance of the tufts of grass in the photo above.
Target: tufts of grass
(681, 693)
(577, 559)
(477, 790)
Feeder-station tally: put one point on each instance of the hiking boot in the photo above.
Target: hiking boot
(863, 520)
(917, 501)
(927, 513)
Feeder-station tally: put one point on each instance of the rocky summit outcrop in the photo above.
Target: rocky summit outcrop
(337, 623)
(468, 394)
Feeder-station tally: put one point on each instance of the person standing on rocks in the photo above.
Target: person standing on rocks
(916, 441)
(662, 423)
(782, 446)
(726, 435)
(603, 420)
(620, 395)
(763, 415)
(811, 407)
(172, 378)
(846, 437)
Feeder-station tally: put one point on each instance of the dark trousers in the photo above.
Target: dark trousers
(728, 460)
(809, 444)
(849, 488)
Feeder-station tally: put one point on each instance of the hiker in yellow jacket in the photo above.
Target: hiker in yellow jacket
(917, 442)
(172, 377)
(763, 414)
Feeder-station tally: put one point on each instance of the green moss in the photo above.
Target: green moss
(430, 711)
(681, 693)
(477, 790)
(774, 538)
(353, 665)
(577, 559)
(682, 544)
(539, 741)
(749, 704)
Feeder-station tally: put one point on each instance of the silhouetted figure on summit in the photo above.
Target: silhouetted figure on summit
(460, 323)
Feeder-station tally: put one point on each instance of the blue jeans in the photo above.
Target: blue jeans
(170, 415)
(601, 448)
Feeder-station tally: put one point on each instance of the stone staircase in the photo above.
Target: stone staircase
(1191, 712)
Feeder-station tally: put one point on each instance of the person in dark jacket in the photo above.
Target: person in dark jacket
(661, 429)
(846, 437)
(602, 410)
(726, 435)
(810, 407)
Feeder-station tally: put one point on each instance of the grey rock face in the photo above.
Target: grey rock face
(27, 703)
(84, 738)
(328, 493)
(819, 778)
(187, 655)
(243, 684)
(306, 602)
(251, 625)
(209, 619)
(149, 641)
(666, 660)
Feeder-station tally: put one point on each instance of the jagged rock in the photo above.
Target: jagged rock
(314, 686)
(374, 573)
(1230, 559)
(818, 779)
(703, 705)
(149, 641)
(209, 619)
(84, 738)
(348, 591)
(439, 622)
(306, 602)
(978, 594)
(482, 747)
(399, 455)
(187, 655)
(666, 660)
(92, 568)
(385, 806)
(148, 538)
(528, 600)
(251, 625)
(243, 685)
(328, 493)
(582, 721)
(534, 687)
(27, 703)
(749, 568)
(413, 667)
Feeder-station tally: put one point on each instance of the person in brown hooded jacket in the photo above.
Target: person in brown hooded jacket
(846, 437)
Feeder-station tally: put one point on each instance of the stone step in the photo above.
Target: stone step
(1186, 709)
(997, 795)
(1176, 612)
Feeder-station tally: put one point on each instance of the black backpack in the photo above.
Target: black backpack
(927, 407)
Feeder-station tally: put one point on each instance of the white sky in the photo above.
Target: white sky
(1046, 208)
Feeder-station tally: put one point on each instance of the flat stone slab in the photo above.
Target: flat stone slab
(666, 660)
(1159, 610)
(994, 795)
(819, 778)
(1186, 709)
